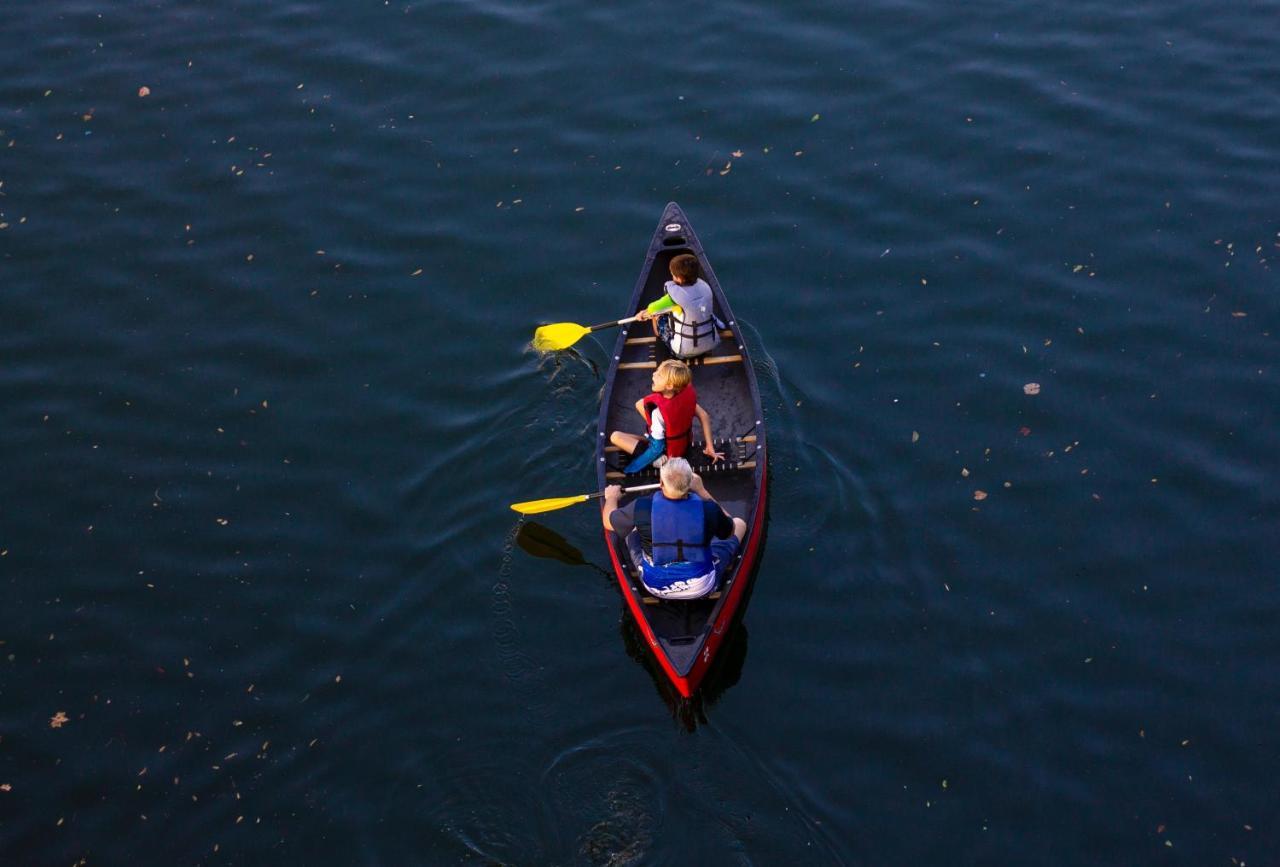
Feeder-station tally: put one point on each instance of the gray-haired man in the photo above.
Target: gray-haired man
(679, 538)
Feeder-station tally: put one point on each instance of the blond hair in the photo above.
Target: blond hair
(677, 475)
(673, 375)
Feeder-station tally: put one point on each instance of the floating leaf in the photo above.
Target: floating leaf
(1031, 388)
(144, 91)
(979, 495)
(58, 720)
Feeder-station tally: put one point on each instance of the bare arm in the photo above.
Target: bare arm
(697, 487)
(708, 447)
(612, 494)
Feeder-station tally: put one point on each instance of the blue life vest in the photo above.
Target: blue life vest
(681, 541)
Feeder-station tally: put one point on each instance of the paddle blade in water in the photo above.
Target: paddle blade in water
(535, 507)
(561, 335)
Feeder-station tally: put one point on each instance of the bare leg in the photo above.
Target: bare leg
(625, 441)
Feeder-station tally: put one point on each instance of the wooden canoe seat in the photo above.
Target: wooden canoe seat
(698, 361)
(654, 600)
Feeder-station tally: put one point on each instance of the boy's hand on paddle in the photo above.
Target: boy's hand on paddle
(644, 316)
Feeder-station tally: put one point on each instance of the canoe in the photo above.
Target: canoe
(684, 635)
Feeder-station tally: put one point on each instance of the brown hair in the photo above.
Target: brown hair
(685, 270)
(673, 375)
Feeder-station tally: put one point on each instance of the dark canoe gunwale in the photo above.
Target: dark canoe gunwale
(697, 657)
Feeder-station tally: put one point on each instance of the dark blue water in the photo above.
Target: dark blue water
(266, 393)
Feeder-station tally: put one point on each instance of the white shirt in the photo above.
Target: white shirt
(657, 427)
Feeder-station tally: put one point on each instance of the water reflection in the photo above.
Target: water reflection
(541, 541)
(724, 673)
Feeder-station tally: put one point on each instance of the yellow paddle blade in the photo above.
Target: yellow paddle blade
(534, 507)
(561, 335)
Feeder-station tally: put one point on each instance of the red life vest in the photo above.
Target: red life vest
(677, 414)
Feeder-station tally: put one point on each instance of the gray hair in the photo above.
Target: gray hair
(677, 475)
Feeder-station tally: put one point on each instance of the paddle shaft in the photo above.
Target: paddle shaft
(599, 494)
(628, 320)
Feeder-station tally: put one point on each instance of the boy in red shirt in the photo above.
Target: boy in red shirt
(668, 413)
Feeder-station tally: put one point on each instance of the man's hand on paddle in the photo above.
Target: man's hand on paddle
(612, 494)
